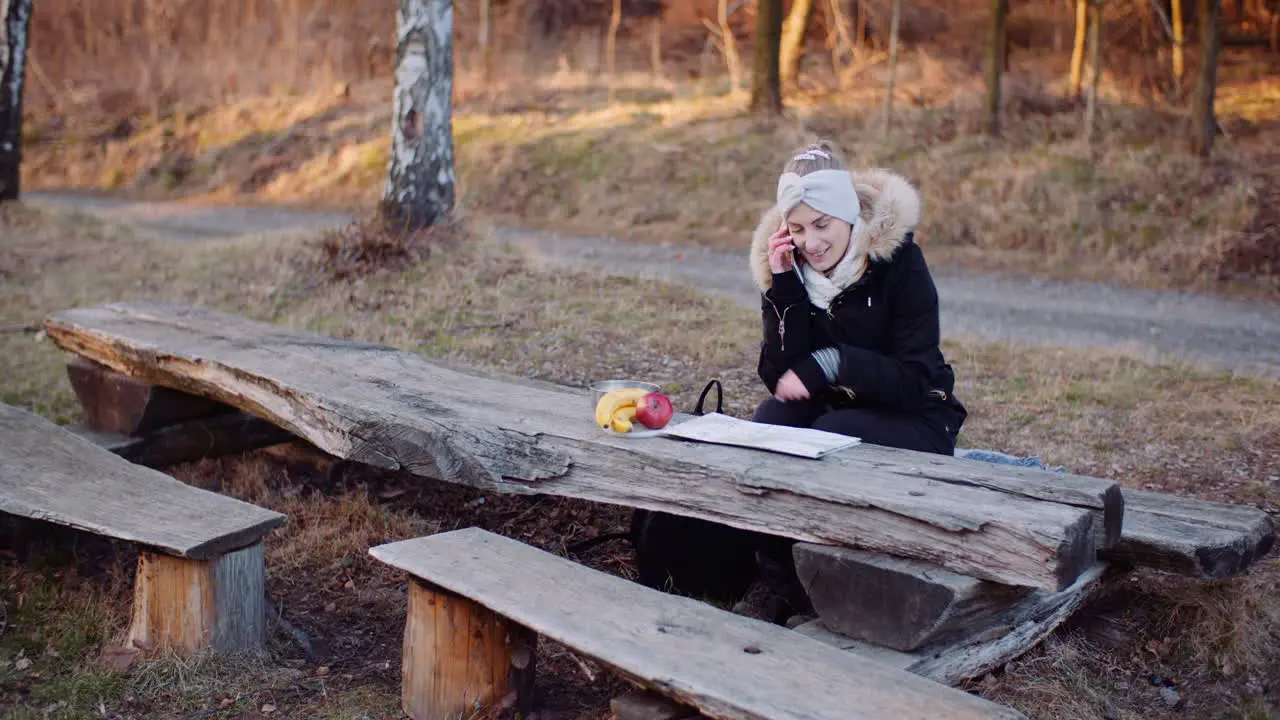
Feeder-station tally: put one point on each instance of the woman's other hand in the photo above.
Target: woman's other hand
(790, 388)
(781, 250)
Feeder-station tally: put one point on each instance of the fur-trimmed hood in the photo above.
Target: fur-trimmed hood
(890, 209)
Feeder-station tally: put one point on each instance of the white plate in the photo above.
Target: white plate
(676, 419)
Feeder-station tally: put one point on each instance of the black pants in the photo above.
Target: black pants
(718, 563)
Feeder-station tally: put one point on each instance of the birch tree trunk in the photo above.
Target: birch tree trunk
(420, 178)
(793, 32)
(766, 84)
(893, 65)
(1077, 47)
(999, 11)
(13, 65)
(1203, 125)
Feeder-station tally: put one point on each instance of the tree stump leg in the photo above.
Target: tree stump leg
(190, 605)
(460, 657)
(118, 403)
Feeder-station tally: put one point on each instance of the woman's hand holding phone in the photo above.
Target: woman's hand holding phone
(781, 250)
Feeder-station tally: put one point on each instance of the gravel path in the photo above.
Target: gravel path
(1240, 336)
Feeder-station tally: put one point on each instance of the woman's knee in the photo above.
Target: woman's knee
(897, 431)
(796, 414)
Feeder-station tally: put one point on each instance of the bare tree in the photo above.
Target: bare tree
(1095, 64)
(420, 177)
(894, 22)
(995, 63)
(17, 20)
(793, 33)
(724, 37)
(1203, 124)
(1077, 47)
(655, 45)
(611, 47)
(486, 40)
(1179, 64)
(766, 82)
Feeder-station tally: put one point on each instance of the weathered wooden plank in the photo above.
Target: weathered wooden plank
(50, 474)
(725, 665)
(225, 434)
(1193, 537)
(899, 603)
(954, 662)
(1103, 496)
(122, 404)
(394, 409)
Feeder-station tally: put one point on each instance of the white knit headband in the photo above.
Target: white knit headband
(830, 192)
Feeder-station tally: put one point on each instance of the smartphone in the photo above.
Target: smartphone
(795, 261)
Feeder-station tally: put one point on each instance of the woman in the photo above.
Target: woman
(851, 345)
(851, 331)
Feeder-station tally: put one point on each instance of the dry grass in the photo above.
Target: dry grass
(689, 169)
(1098, 413)
(236, 100)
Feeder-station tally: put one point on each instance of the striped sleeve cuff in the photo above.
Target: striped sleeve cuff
(829, 360)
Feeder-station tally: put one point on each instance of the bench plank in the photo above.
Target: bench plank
(394, 409)
(1193, 537)
(50, 474)
(725, 665)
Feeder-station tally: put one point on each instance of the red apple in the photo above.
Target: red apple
(654, 410)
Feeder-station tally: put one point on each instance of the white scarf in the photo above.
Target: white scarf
(823, 289)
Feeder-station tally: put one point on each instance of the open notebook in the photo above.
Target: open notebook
(725, 430)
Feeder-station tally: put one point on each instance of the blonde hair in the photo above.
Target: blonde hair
(815, 157)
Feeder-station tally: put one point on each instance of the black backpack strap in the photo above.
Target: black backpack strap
(697, 410)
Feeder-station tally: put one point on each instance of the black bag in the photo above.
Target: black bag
(647, 522)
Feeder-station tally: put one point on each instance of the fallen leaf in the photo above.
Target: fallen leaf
(268, 709)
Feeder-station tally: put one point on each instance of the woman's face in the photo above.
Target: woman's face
(821, 239)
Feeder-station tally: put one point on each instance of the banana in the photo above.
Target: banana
(613, 400)
(623, 417)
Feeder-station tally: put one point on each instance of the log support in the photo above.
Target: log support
(460, 658)
(186, 605)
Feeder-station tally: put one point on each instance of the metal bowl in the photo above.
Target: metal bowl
(599, 388)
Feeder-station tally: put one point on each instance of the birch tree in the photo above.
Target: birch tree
(17, 20)
(420, 178)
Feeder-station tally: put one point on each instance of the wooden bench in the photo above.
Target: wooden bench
(200, 578)
(476, 599)
(1015, 547)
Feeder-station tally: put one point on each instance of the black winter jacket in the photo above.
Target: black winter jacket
(885, 325)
